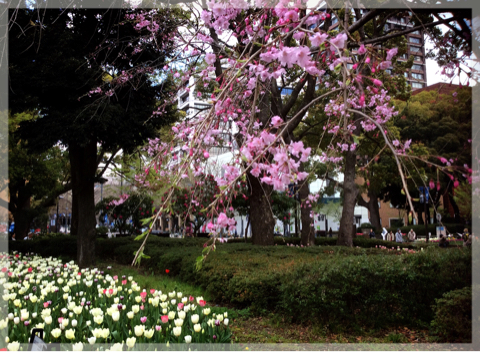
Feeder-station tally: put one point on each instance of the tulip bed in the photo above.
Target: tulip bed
(89, 306)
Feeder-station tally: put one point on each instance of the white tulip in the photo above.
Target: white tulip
(177, 331)
(131, 341)
(77, 346)
(139, 329)
(13, 346)
(91, 340)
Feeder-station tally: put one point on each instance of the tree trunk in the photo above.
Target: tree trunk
(350, 191)
(308, 232)
(23, 218)
(261, 216)
(22, 214)
(372, 206)
(246, 229)
(83, 161)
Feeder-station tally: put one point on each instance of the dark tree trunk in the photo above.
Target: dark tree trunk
(350, 191)
(83, 161)
(372, 206)
(261, 216)
(456, 210)
(21, 212)
(308, 232)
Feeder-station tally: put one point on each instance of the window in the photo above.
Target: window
(417, 75)
(349, 66)
(334, 20)
(417, 85)
(415, 49)
(414, 40)
(417, 67)
(405, 74)
(358, 219)
(388, 71)
(416, 32)
(396, 222)
(418, 58)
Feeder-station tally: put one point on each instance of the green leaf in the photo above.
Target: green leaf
(139, 237)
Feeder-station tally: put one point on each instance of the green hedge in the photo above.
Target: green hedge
(334, 286)
(453, 316)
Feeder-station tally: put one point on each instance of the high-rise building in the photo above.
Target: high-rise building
(416, 76)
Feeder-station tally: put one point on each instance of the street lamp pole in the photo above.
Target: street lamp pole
(425, 212)
(56, 219)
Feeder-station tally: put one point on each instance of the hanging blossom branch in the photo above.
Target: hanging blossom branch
(263, 152)
(271, 44)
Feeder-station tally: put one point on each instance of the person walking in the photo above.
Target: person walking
(398, 236)
(330, 232)
(412, 235)
(372, 234)
(390, 236)
(384, 233)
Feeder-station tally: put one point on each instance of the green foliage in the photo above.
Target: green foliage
(66, 62)
(396, 338)
(192, 200)
(453, 316)
(463, 198)
(136, 207)
(283, 206)
(102, 231)
(34, 179)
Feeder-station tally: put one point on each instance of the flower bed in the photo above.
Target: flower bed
(89, 306)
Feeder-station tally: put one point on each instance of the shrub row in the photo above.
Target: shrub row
(334, 286)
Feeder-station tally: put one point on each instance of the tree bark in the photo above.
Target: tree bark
(308, 232)
(372, 206)
(261, 216)
(350, 191)
(83, 161)
(22, 213)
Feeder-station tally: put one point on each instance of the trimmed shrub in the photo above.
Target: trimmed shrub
(335, 286)
(453, 316)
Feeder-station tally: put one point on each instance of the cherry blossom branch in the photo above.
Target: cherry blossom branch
(409, 198)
